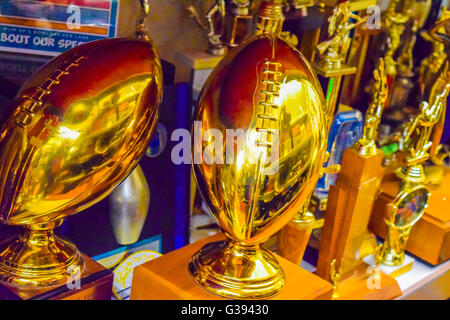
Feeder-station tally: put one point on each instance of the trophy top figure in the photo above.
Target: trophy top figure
(79, 127)
(265, 90)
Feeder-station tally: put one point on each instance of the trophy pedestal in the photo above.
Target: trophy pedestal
(393, 271)
(366, 282)
(168, 278)
(95, 283)
(430, 236)
(348, 210)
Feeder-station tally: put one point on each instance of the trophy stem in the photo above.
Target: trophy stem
(38, 258)
(237, 271)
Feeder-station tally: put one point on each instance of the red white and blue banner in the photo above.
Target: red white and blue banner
(49, 27)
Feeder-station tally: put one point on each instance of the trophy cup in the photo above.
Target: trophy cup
(81, 123)
(411, 201)
(268, 90)
(212, 21)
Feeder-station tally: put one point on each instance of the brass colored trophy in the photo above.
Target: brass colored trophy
(212, 21)
(406, 209)
(333, 51)
(394, 23)
(412, 199)
(81, 123)
(266, 88)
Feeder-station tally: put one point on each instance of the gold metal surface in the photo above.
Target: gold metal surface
(270, 17)
(79, 127)
(333, 51)
(366, 145)
(418, 132)
(267, 88)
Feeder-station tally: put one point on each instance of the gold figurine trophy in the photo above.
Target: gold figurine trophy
(265, 94)
(349, 207)
(79, 127)
(412, 199)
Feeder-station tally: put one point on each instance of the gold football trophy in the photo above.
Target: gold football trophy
(79, 127)
(266, 90)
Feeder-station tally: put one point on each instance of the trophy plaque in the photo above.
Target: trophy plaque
(80, 125)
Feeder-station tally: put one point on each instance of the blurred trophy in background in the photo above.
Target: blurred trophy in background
(412, 199)
(211, 20)
(129, 204)
(141, 31)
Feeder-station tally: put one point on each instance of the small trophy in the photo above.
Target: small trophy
(255, 168)
(412, 199)
(266, 89)
(80, 125)
(333, 51)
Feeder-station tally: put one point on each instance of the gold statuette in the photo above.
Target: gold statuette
(79, 127)
(366, 144)
(333, 51)
(433, 63)
(212, 21)
(266, 90)
(418, 132)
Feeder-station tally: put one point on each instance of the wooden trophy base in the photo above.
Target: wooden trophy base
(168, 278)
(95, 284)
(430, 236)
(367, 283)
